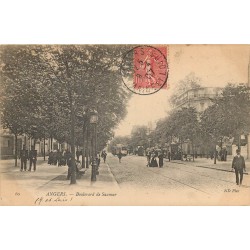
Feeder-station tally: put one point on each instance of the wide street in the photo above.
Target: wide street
(178, 179)
(201, 175)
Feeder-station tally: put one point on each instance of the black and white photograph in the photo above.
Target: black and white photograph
(149, 124)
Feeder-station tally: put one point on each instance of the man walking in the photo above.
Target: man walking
(33, 158)
(104, 155)
(23, 157)
(160, 156)
(238, 165)
(119, 156)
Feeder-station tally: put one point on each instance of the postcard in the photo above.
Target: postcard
(129, 125)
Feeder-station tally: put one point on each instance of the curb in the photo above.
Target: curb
(218, 169)
(113, 177)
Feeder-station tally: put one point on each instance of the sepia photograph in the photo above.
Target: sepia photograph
(124, 125)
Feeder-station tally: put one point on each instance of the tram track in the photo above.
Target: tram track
(204, 175)
(180, 182)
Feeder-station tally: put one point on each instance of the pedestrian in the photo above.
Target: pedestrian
(148, 157)
(225, 159)
(238, 165)
(23, 157)
(33, 158)
(67, 155)
(71, 164)
(160, 157)
(153, 162)
(169, 156)
(60, 157)
(104, 156)
(55, 157)
(50, 159)
(119, 156)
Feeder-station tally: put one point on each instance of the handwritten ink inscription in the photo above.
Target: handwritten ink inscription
(64, 197)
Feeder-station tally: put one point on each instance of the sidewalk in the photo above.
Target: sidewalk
(208, 163)
(105, 180)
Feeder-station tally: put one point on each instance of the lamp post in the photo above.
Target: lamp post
(93, 118)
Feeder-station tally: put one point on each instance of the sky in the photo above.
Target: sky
(216, 65)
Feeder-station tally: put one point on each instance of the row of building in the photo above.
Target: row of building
(8, 145)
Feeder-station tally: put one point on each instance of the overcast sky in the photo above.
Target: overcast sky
(216, 65)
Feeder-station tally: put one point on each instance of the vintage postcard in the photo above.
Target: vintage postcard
(148, 124)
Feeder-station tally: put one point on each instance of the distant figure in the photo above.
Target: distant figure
(33, 158)
(160, 156)
(55, 158)
(78, 153)
(169, 156)
(225, 156)
(119, 156)
(104, 156)
(148, 157)
(71, 164)
(238, 165)
(50, 159)
(24, 155)
(67, 155)
(60, 158)
(153, 162)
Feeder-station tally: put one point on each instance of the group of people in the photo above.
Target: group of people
(59, 158)
(152, 156)
(26, 155)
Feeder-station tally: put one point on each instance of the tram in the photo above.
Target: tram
(120, 148)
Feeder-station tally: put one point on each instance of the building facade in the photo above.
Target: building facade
(198, 98)
(8, 142)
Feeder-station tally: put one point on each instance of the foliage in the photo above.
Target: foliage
(44, 87)
(229, 115)
(191, 81)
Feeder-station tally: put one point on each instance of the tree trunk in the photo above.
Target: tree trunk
(193, 149)
(215, 154)
(44, 148)
(51, 143)
(239, 143)
(87, 147)
(83, 148)
(181, 152)
(15, 150)
(72, 135)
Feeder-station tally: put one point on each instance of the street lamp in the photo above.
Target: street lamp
(93, 118)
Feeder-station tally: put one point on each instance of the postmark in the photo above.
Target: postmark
(144, 69)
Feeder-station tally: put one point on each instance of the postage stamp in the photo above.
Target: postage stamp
(144, 69)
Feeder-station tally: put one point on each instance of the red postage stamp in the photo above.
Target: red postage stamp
(145, 69)
(150, 67)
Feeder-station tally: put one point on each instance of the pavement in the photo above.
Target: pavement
(225, 166)
(51, 176)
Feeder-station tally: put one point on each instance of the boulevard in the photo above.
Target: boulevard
(200, 176)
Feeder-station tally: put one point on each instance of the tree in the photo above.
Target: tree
(182, 124)
(191, 81)
(54, 83)
(139, 137)
(229, 116)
